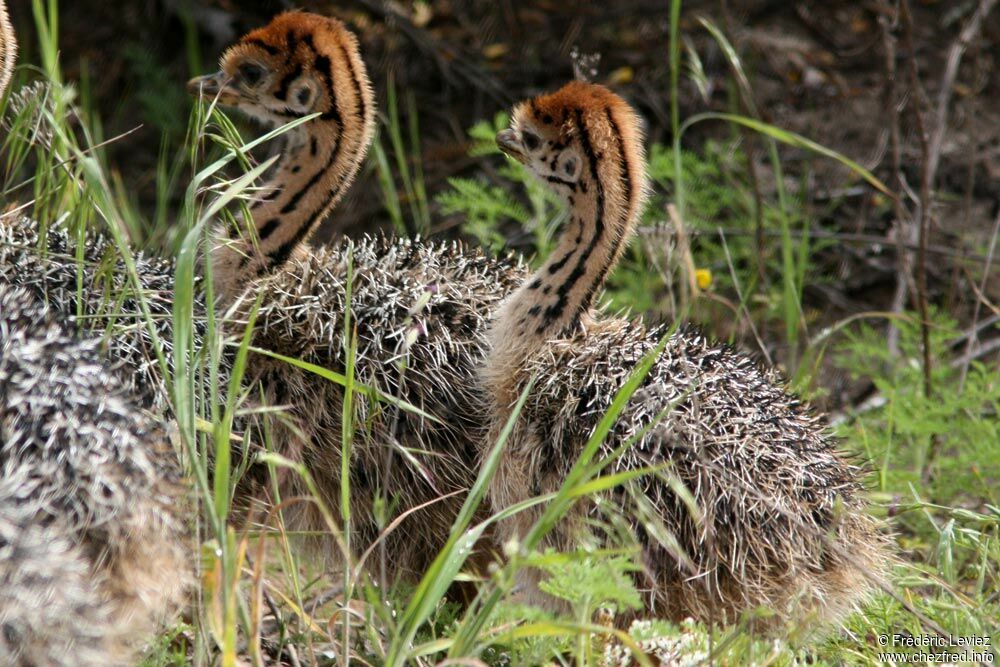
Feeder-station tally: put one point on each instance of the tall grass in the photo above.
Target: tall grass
(408, 158)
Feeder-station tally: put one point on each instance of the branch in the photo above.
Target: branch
(969, 33)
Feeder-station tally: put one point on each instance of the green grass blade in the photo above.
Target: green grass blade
(449, 561)
(790, 139)
(341, 379)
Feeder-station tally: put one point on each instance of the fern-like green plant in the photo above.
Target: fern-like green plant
(485, 207)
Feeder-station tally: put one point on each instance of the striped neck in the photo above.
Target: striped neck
(604, 205)
(8, 48)
(318, 165)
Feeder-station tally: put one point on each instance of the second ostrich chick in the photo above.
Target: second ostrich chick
(91, 525)
(780, 519)
(418, 308)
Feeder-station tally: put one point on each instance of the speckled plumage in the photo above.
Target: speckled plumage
(779, 520)
(419, 309)
(50, 613)
(92, 547)
(302, 317)
(99, 290)
(92, 491)
(785, 523)
(419, 301)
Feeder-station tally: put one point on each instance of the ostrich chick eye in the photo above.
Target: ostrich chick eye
(531, 141)
(251, 74)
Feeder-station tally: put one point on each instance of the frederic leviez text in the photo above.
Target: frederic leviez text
(937, 648)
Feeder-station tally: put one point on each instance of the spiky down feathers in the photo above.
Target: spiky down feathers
(101, 484)
(780, 519)
(419, 311)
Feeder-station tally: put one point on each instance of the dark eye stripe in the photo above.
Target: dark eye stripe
(555, 311)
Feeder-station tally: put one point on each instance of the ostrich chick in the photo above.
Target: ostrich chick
(92, 553)
(418, 308)
(91, 518)
(780, 518)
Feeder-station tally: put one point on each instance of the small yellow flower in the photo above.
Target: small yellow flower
(622, 76)
(703, 277)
